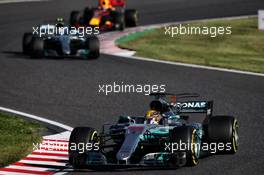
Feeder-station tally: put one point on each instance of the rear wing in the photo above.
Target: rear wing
(118, 3)
(195, 107)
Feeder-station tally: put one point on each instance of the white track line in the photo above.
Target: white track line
(52, 147)
(65, 153)
(55, 142)
(51, 163)
(63, 136)
(18, 1)
(60, 173)
(14, 173)
(31, 168)
(37, 118)
(49, 157)
(194, 66)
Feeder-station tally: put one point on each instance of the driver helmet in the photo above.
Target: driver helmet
(105, 4)
(153, 116)
(60, 22)
(60, 26)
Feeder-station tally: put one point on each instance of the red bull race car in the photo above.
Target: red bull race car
(108, 15)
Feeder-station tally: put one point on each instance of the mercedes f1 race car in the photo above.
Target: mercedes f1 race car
(109, 15)
(164, 137)
(60, 41)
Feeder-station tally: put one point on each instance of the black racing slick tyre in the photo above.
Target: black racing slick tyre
(119, 21)
(37, 47)
(93, 45)
(88, 13)
(188, 136)
(224, 130)
(80, 136)
(75, 18)
(26, 43)
(131, 18)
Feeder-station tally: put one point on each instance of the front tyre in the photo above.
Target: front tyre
(224, 130)
(187, 135)
(80, 136)
(93, 45)
(37, 47)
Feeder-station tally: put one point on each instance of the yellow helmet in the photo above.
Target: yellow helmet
(151, 113)
(106, 4)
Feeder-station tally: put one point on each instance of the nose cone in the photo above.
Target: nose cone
(65, 44)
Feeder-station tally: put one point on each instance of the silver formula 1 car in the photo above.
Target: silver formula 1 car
(164, 137)
(60, 41)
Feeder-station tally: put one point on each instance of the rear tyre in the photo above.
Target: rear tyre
(93, 45)
(87, 15)
(131, 18)
(37, 47)
(26, 43)
(80, 135)
(224, 130)
(188, 136)
(75, 18)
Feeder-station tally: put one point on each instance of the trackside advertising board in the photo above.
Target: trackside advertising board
(261, 19)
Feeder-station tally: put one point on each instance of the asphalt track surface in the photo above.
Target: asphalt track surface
(67, 90)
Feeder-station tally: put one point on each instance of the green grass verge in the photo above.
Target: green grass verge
(16, 138)
(242, 50)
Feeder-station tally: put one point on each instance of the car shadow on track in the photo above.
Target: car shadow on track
(117, 170)
(14, 54)
(135, 169)
(19, 55)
